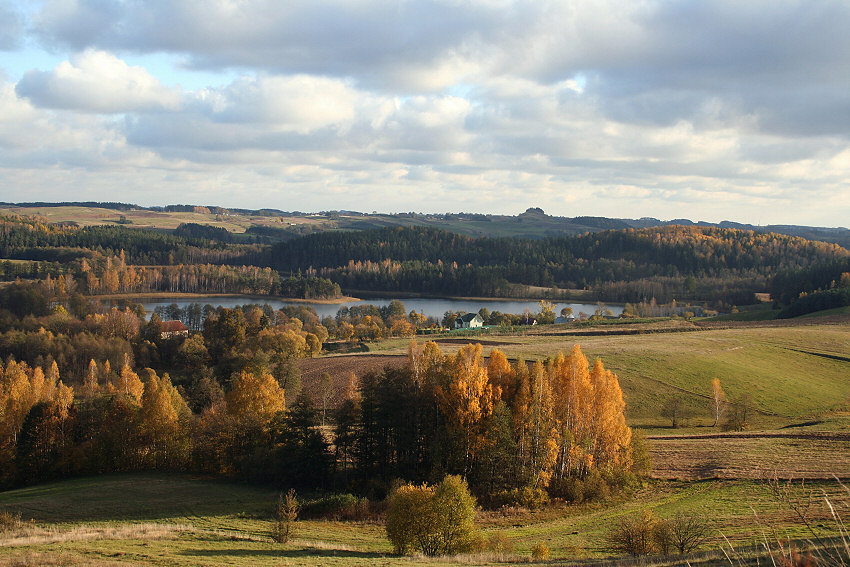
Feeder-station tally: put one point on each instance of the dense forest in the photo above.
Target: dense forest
(719, 266)
(621, 265)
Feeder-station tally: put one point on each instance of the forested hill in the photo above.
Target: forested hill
(272, 224)
(29, 239)
(622, 264)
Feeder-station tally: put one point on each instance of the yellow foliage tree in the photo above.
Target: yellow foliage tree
(501, 375)
(255, 398)
(719, 403)
(466, 399)
(128, 382)
(90, 383)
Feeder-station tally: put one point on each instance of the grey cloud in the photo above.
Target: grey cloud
(11, 28)
(648, 63)
(371, 40)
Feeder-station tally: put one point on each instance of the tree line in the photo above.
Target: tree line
(517, 433)
(672, 261)
(721, 266)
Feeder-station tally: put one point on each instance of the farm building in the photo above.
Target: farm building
(173, 329)
(469, 321)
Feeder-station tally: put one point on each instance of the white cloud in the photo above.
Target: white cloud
(100, 82)
(300, 102)
(581, 107)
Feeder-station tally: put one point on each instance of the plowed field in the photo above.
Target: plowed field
(808, 455)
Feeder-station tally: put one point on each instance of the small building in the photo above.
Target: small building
(469, 321)
(567, 319)
(173, 329)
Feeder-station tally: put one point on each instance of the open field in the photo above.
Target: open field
(796, 377)
(786, 373)
(91, 216)
(810, 455)
(187, 521)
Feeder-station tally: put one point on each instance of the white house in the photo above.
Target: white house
(469, 321)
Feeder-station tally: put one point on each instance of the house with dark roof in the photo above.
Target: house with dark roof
(469, 321)
(173, 329)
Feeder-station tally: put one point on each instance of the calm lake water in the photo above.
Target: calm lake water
(430, 307)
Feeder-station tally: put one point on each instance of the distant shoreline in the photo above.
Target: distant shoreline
(156, 296)
(364, 297)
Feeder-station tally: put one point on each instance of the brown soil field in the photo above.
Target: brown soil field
(472, 340)
(340, 368)
(807, 455)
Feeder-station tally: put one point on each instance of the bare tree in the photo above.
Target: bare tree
(674, 410)
(634, 535)
(688, 532)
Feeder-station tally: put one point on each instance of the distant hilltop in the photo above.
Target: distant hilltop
(533, 223)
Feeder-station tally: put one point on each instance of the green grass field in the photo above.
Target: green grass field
(157, 519)
(789, 373)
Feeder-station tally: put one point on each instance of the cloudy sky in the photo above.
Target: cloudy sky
(705, 110)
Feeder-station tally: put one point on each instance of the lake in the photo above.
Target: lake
(431, 307)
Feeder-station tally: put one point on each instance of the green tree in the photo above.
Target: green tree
(434, 520)
(284, 518)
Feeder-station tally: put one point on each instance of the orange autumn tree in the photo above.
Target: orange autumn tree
(590, 419)
(466, 399)
(255, 398)
(567, 417)
(165, 420)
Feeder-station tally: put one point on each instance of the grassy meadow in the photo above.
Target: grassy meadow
(156, 519)
(92, 216)
(788, 374)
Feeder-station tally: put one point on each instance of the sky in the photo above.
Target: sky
(709, 110)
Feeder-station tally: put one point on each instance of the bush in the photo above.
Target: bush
(435, 520)
(663, 537)
(596, 487)
(285, 515)
(689, 532)
(499, 543)
(541, 552)
(525, 497)
(345, 507)
(635, 535)
(10, 521)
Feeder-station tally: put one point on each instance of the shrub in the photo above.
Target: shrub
(10, 521)
(540, 551)
(435, 520)
(499, 543)
(285, 515)
(663, 537)
(346, 507)
(525, 497)
(634, 535)
(596, 487)
(689, 532)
